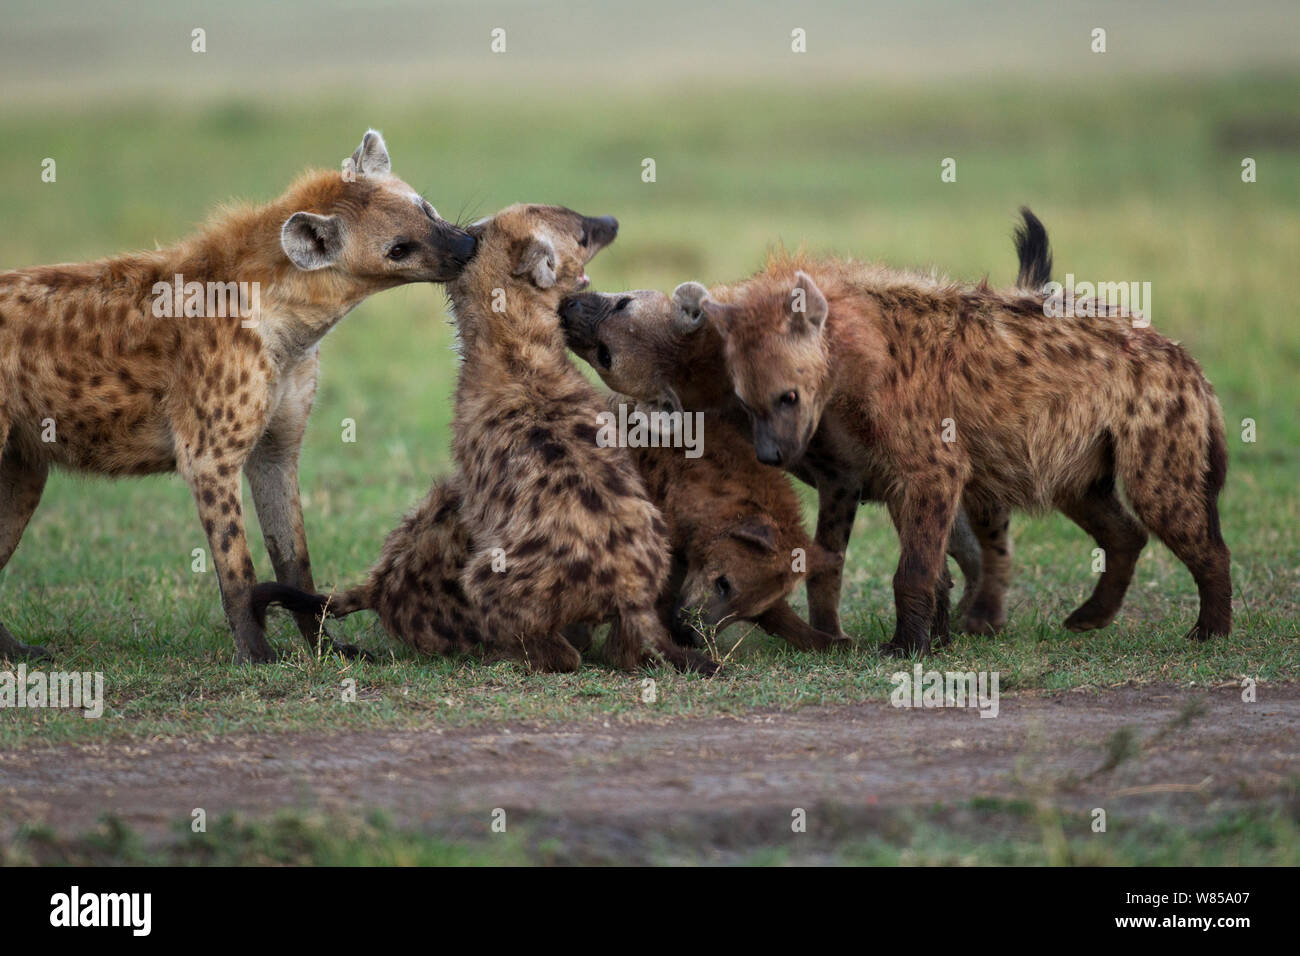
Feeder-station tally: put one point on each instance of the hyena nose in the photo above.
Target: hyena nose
(465, 246)
(770, 455)
(577, 312)
(602, 229)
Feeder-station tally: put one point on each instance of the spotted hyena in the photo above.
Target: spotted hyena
(121, 366)
(657, 348)
(737, 545)
(563, 533)
(735, 532)
(948, 394)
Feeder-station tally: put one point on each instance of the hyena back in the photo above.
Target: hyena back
(962, 394)
(95, 377)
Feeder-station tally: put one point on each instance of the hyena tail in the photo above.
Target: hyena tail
(1034, 252)
(299, 601)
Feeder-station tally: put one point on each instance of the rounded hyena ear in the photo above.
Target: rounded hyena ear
(807, 306)
(538, 261)
(759, 532)
(311, 241)
(370, 159)
(688, 299)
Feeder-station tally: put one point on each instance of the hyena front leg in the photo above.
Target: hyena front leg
(217, 492)
(272, 471)
(780, 620)
(21, 484)
(923, 514)
(639, 639)
(837, 506)
(987, 613)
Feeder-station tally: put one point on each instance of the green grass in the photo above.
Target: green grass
(981, 832)
(1138, 179)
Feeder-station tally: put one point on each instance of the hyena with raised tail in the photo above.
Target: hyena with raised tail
(124, 367)
(949, 394)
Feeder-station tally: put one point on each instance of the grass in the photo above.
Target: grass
(1137, 179)
(983, 832)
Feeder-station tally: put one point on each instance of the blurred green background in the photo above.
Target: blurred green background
(1131, 157)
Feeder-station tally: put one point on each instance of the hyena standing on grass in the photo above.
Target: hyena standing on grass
(85, 359)
(659, 349)
(953, 394)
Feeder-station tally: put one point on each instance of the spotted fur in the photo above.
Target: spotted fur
(1045, 413)
(129, 393)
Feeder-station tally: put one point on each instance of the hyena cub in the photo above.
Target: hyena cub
(202, 359)
(953, 394)
(736, 537)
(562, 531)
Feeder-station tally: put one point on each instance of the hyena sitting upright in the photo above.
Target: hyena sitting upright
(952, 394)
(737, 545)
(563, 533)
(96, 377)
(555, 532)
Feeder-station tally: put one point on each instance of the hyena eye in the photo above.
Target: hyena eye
(722, 586)
(582, 241)
(399, 251)
(604, 356)
(623, 303)
(789, 399)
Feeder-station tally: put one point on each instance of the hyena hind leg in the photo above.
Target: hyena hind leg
(1189, 527)
(1167, 503)
(510, 636)
(1099, 512)
(21, 485)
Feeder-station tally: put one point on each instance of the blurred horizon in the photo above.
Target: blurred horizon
(61, 52)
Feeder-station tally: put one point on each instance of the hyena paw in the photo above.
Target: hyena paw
(19, 651)
(1089, 617)
(1203, 632)
(349, 651)
(256, 655)
(978, 623)
(905, 647)
(691, 661)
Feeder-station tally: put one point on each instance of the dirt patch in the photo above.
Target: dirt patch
(1193, 748)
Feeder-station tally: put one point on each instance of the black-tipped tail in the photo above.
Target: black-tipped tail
(292, 599)
(1033, 251)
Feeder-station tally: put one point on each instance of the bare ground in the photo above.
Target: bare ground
(717, 780)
